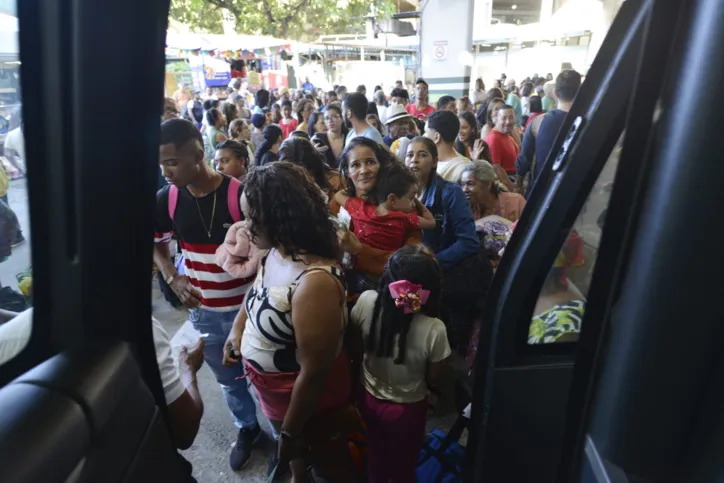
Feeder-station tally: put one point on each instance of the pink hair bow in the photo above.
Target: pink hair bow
(408, 295)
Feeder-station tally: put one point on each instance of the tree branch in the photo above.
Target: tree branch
(268, 12)
(226, 5)
(293, 11)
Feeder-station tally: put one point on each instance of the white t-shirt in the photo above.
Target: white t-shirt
(477, 96)
(16, 141)
(370, 133)
(170, 377)
(452, 169)
(401, 383)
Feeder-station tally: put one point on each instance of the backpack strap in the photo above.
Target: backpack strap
(233, 199)
(172, 200)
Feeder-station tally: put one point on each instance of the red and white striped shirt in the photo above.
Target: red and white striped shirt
(192, 220)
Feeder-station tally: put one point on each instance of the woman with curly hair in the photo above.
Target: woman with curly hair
(301, 152)
(294, 318)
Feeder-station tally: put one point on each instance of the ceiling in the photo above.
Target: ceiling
(525, 11)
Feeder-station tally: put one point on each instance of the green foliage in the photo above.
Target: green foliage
(200, 15)
(285, 19)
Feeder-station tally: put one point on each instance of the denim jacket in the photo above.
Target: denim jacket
(457, 240)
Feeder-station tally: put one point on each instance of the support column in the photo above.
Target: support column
(446, 41)
(608, 13)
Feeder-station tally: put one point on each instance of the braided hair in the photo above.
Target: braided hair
(417, 265)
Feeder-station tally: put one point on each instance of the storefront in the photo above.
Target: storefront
(213, 60)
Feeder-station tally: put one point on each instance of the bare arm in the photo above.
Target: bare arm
(180, 283)
(185, 412)
(234, 339)
(436, 373)
(340, 197)
(427, 220)
(316, 317)
(10, 154)
(162, 259)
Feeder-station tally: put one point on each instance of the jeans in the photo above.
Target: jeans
(218, 325)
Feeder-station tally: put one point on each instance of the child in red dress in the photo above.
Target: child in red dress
(397, 211)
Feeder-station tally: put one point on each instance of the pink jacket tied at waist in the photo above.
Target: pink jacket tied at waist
(238, 256)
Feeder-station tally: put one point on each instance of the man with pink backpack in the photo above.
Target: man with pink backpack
(198, 206)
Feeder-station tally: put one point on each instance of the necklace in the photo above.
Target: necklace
(213, 212)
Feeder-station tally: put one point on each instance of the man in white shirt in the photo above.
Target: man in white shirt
(15, 148)
(443, 128)
(355, 114)
(180, 388)
(183, 399)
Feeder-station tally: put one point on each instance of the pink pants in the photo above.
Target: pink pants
(396, 433)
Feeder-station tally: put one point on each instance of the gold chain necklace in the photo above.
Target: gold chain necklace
(213, 212)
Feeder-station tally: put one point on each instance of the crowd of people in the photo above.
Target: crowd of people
(334, 251)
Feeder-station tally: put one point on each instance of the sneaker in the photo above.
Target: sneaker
(19, 240)
(281, 472)
(241, 452)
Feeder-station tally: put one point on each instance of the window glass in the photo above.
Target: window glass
(561, 303)
(16, 286)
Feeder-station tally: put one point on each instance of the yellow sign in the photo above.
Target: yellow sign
(254, 79)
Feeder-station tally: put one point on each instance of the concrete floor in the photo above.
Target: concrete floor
(210, 452)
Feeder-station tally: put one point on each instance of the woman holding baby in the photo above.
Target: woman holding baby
(363, 164)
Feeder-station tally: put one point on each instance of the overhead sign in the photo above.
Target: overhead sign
(440, 52)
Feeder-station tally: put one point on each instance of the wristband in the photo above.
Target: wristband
(170, 279)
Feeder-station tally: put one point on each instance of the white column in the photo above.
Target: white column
(446, 52)
(546, 10)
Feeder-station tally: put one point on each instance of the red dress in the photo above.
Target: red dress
(386, 232)
(289, 127)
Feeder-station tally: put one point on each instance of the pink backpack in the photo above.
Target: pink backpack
(232, 198)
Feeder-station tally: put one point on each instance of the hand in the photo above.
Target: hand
(233, 343)
(289, 449)
(321, 147)
(193, 357)
(186, 293)
(348, 242)
(419, 207)
(478, 148)
(190, 361)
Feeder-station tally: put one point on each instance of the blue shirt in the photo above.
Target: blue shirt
(370, 133)
(307, 86)
(539, 146)
(457, 240)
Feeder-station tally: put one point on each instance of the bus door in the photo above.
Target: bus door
(538, 301)
(647, 400)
